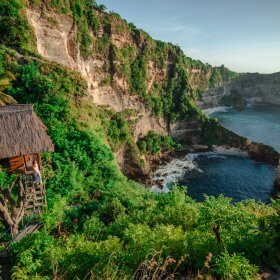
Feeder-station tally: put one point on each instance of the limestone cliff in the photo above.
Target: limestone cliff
(55, 43)
(250, 87)
(107, 70)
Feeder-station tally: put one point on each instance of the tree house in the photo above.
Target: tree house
(23, 138)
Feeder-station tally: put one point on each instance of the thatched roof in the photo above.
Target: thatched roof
(21, 132)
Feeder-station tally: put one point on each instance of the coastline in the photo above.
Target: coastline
(231, 151)
(181, 162)
(212, 110)
(168, 174)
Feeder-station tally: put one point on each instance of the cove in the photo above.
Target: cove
(234, 176)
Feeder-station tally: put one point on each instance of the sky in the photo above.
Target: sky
(241, 34)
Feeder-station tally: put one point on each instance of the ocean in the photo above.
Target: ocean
(232, 175)
(260, 123)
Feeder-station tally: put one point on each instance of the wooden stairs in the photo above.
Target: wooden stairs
(35, 195)
(34, 203)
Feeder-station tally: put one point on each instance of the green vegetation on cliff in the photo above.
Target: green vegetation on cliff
(154, 143)
(99, 224)
(15, 31)
(178, 79)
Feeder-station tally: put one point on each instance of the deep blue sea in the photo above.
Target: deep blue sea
(235, 176)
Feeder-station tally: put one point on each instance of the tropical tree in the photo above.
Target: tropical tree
(12, 202)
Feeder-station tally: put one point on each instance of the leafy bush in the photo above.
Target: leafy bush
(111, 209)
(15, 31)
(118, 131)
(215, 77)
(142, 240)
(234, 267)
(178, 209)
(154, 143)
(93, 227)
(138, 76)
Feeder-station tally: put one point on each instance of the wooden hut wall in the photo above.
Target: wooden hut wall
(16, 164)
(20, 164)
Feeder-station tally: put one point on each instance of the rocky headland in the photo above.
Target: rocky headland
(246, 88)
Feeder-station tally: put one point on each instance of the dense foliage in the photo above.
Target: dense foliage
(14, 28)
(99, 224)
(154, 143)
(118, 131)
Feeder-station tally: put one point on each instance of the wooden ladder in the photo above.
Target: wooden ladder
(35, 196)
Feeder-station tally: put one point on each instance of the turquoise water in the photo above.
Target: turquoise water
(260, 123)
(235, 176)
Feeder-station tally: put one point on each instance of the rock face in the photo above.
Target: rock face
(258, 88)
(55, 35)
(262, 153)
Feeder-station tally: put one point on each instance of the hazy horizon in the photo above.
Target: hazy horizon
(242, 35)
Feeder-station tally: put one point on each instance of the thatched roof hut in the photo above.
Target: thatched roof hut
(21, 132)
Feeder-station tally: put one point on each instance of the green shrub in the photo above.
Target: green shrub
(111, 209)
(154, 143)
(107, 81)
(94, 21)
(102, 46)
(234, 267)
(93, 227)
(15, 31)
(179, 209)
(118, 131)
(142, 145)
(138, 76)
(142, 241)
(86, 41)
(215, 77)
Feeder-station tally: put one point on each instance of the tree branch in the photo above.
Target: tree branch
(6, 215)
(20, 200)
(10, 199)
